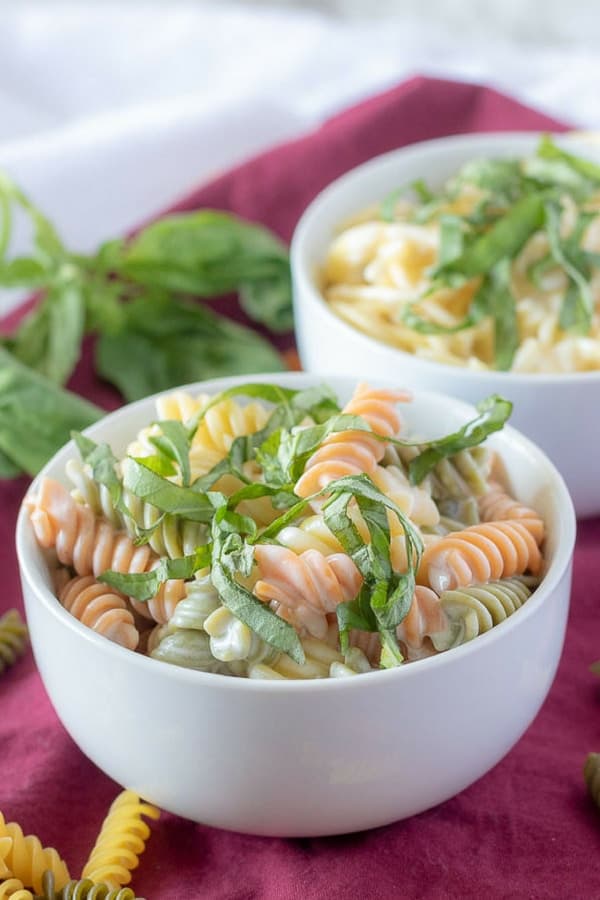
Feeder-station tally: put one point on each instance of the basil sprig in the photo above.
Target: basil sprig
(134, 295)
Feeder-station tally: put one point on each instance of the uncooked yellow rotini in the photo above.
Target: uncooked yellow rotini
(27, 860)
(13, 640)
(121, 840)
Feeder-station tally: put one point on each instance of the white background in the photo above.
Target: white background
(108, 112)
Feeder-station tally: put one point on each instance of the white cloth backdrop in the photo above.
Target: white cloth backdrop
(109, 112)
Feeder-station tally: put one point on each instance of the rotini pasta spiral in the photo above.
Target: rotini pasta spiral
(161, 607)
(180, 406)
(232, 640)
(121, 840)
(591, 775)
(201, 599)
(496, 505)
(218, 429)
(478, 554)
(425, 618)
(172, 536)
(191, 649)
(463, 474)
(473, 610)
(305, 587)
(320, 656)
(15, 889)
(101, 608)
(27, 860)
(416, 502)
(89, 544)
(84, 889)
(13, 640)
(354, 452)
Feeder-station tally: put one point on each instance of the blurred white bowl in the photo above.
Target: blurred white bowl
(307, 758)
(558, 412)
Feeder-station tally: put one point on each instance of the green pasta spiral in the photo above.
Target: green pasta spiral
(85, 889)
(591, 775)
(172, 536)
(465, 474)
(13, 638)
(476, 609)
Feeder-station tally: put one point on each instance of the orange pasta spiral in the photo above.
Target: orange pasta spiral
(101, 608)
(89, 544)
(354, 452)
(496, 505)
(424, 618)
(478, 554)
(305, 587)
(92, 546)
(161, 607)
(27, 860)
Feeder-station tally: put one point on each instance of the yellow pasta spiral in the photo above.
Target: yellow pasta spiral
(13, 638)
(15, 889)
(27, 860)
(219, 427)
(121, 840)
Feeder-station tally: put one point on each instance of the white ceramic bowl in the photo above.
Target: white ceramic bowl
(558, 412)
(318, 757)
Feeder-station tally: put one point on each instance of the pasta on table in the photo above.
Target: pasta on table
(269, 533)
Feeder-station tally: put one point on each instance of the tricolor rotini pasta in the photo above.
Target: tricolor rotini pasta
(13, 640)
(269, 533)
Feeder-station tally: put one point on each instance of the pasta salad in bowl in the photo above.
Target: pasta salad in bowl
(469, 264)
(268, 568)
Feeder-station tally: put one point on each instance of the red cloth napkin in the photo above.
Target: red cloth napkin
(525, 830)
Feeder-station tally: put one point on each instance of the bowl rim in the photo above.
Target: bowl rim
(565, 543)
(303, 269)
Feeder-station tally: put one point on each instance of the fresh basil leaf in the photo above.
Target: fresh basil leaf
(167, 342)
(160, 465)
(203, 253)
(451, 239)
(103, 464)
(504, 239)
(8, 468)
(494, 411)
(23, 271)
(547, 149)
(269, 301)
(387, 207)
(284, 454)
(145, 585)
(164, 495)
(242, 603)
(501, 305)
(49, 339)
(36, 416)
(501, 179)
(174, 442)
(355, 614)
(390, 651)
(578, 304)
